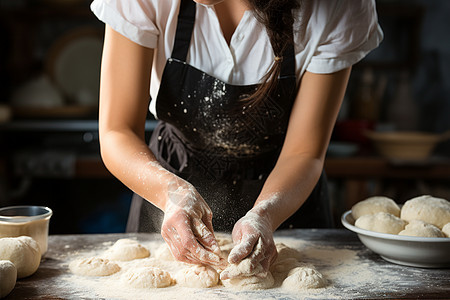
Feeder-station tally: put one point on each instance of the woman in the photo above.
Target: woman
(247, 93)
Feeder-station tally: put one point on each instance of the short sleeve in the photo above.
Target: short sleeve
(350, 33)
(133, 19)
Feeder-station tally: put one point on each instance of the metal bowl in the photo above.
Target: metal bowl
(424, 252)
(26, 220)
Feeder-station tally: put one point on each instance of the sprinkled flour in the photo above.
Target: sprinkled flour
(348, 276)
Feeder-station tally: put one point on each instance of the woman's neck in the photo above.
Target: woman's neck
(230, 13)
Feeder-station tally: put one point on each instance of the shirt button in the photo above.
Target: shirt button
(239, 37)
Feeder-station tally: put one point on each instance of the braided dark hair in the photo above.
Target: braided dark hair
(277, 17)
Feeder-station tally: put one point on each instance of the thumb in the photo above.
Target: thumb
(243, 249)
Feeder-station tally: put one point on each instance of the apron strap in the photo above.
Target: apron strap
(288, 63)
(186, 19)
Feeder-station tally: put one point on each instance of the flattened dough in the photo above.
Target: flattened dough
(163, 253)
(126, 250)
(288, 259)
(197, 277)
(287, 252)
(253, 282)
(303, 277)
(147, 277)
(93, 266)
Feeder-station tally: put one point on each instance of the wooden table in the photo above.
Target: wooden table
(353, 271)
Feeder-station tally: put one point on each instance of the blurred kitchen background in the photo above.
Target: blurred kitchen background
(49, 74)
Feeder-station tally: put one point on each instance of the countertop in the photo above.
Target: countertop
(353, 271)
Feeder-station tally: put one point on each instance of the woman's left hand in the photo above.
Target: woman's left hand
(253, 239)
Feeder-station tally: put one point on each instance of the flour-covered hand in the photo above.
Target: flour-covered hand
(253, 238)
(187, 226)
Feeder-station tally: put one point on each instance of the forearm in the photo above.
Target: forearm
(128, 158)
(301, 160)
(287, 188)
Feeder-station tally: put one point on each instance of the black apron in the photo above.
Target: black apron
(207, 136)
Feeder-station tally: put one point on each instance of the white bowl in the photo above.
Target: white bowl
(412, 251)
(406, 145)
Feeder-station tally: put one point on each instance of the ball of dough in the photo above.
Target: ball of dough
(197, 277)
(420, 228)
(23, 252)
(163, 253)
(426, 208)
(446, 229)
(147, 277)
(381, 222)
(245, 267)
(374, 205)
(285, 251)
(281, 267)
(226, 245)
(126, 250)
(247, 275)
(224, 240)
(304, 277)
(8, 276)
(252, 282)
(93, 266)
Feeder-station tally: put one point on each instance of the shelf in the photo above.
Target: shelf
(364, 168)
(59, 126)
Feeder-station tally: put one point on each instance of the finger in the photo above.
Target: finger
(274, 256)
(259, 251)
(206, 237)
(224, 275)
(207, 220)
(174, 247)
(190, 243)
(243, 249)
(265, 262)
(173, 240)
(192, 259)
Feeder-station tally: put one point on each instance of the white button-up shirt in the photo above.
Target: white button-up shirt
(329, 36)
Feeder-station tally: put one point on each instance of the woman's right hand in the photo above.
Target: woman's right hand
(187, 226)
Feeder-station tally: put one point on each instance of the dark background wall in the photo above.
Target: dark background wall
(413, 62)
